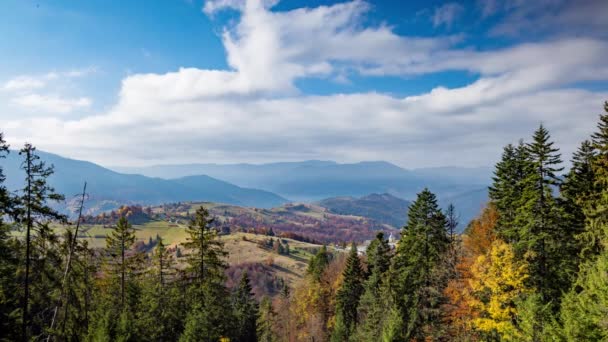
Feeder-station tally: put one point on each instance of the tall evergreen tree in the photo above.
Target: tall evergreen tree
(245, 312)
(417, 284)
(160, 313)
(209, 314)
(318, 263)
(507, 188)
(118, 245)
(266, 322)
(372, 306)
(9, 262)
(578, 191)
(584, 309)
(347, 297)
(41, 260)
(542, 232)
(116, 306)
(596, 214)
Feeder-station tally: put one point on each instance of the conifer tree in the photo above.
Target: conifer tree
(245, 312)
(417, 284)
(41, 263)
(160, 313)
(206, 257)
(317, 264)
(347, 297)
(209, 314)
(116, 307)
(6, 203)
(73, 317)
(578, 191)
(507, 188)
(372, 305)
(9, 261)
(539, 221)
(266, 322)
(118, 245)
(596, 213)
(584, 309)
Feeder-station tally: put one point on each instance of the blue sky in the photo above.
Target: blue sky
(417, 83)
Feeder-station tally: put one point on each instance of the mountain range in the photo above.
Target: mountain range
(316, 180)
(264, 185)
(108, 189)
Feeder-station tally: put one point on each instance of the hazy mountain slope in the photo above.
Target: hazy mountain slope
(383, 208)
(316, 180)
(107, 185)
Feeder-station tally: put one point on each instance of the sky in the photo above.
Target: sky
(415, 83)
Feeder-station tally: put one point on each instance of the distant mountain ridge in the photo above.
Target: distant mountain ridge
(108, 189)
(315, 180)
(384, 208)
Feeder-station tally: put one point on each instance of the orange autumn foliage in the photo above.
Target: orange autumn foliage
(476, 241)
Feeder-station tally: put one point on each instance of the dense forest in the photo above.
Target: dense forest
(533, 266)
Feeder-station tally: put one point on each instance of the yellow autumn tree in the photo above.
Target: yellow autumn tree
(477, 240)
(497, 282)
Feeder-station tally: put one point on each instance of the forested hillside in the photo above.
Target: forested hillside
(532, 266)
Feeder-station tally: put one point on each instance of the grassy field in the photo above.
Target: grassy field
(244, 247)
(171, 233)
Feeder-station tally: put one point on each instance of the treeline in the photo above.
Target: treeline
(532, 267)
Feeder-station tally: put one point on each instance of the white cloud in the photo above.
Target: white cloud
(51, 103)
(24, 92)
(212, 6)
(22, 83)
(255, 112)
(447, 14)
(581, 17)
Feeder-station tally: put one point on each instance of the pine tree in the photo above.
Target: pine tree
(541, 228)
(507, 188)
(584, 309)
(417, 284)
(578, 191)
(9, 261)
(209, 314)
(73, 317)
(372, 304)
(245, 312)
(41, 260)
(120, 262)
(160, 313)
(120, 290)
(266, 322)
(596, 212)
(6, 202)
(206, 257)
(347, 297)
(318, 263)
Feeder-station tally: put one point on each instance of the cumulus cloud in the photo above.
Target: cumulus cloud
(255, 112)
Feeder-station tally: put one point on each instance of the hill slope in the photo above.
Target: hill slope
(384, 208)
(109, 189)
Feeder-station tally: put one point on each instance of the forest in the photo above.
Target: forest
(533, 266)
